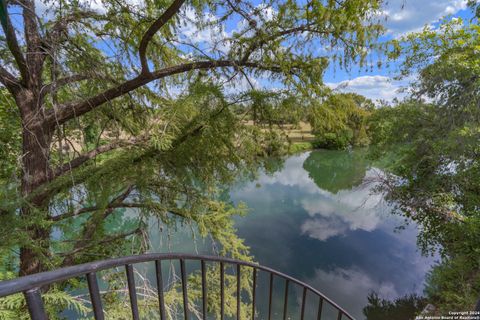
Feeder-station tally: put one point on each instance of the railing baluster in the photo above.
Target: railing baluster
(285, 301)
(304, 298)
(95, 296)
(30, 286)
(320, 307)
(254, 291)
(270, 297)
(238, 291)
(340, 313)
(184, 289)
(132, 291)
(161, 300)
(204, 290)
(222, 291)
(35, 304)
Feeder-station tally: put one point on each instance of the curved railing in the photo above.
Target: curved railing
(31, 285)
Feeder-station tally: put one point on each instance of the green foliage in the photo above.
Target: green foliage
(454, 283)
(117, 303)
(56, 301)
(338, 140)
(340, 121)
(299, 147)
(275, 108)
(402, 308)
(10, 137)
(350, 27)
(433, 147)
(200, 121)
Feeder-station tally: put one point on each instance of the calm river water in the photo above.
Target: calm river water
(317, 220)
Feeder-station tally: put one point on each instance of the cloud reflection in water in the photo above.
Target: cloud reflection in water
(342, 241)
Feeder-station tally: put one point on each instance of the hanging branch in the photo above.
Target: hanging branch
(72, 110)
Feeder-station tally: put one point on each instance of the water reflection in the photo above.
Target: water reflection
(317, 220)
(335, 170)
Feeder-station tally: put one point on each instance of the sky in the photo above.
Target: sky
(403, 17)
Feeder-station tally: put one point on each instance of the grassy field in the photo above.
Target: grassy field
(295, 133)
(300, 136)
(300, 133)
(297, 147)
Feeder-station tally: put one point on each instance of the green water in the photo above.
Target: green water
(317, 219)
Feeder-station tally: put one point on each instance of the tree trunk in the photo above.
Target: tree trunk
(36, 171)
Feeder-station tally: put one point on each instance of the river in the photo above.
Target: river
(318, 219)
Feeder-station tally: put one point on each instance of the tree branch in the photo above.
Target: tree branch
(117, 202)
(263, 39)
(60, 26)
(88, 244)
(9, 81)
(12, 41)
(91, 227)
(35, 55)
(53, 87)
(159, 23)
(75, 163)
(48, 192)
(245, 15)
(72, 110)
(110, 206)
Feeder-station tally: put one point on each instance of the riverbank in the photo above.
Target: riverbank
(300, 137)
(299, 147)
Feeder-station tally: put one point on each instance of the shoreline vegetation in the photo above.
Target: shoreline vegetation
(299, 137)
(340, 121)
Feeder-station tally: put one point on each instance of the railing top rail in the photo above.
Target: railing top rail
(38, 280)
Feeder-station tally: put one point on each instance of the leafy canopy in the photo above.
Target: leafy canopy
(432, 141)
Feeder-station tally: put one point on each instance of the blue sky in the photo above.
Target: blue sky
(403, 16)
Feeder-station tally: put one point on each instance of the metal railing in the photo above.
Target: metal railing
(31, 285)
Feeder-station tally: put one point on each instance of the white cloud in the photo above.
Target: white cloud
(212, 34)
(267, 13)
(95, 5)
(330, 214)
(375, 87)
(322, 229)
(404, 16)
(45, 8)
(347, 210)
(294, 175)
